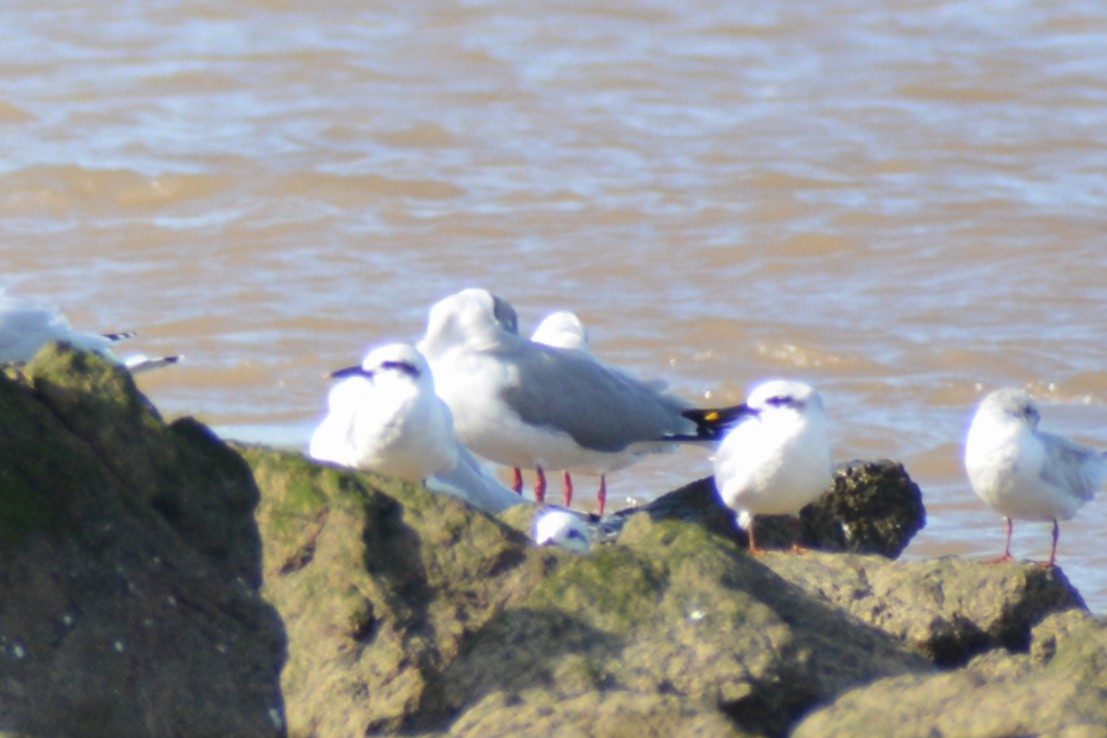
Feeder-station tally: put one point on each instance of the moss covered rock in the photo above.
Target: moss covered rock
(379, 583)
(947, 609)
(130, 562)
(1058, 688)
(408, 611)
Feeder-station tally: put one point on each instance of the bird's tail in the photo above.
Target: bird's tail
(712, 424)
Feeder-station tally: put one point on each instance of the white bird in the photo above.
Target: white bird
(1023, 472)
(777, 458)
(526, 405)
(25, 328)
(563, 528)
(385, 417)
(562, 329)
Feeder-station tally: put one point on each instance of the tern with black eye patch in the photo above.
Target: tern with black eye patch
(776, 459)
(384, 416)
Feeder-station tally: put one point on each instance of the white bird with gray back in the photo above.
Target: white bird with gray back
(526, 405)
(1026, 473)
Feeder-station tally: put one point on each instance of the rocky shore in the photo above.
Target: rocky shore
(158, 582)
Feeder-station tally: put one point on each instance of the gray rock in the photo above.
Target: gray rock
(947, 609)
(1058, 689)
(408, 611)
(129, 562)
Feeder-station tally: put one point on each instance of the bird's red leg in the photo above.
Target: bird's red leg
(601, 495)
(540, 485)
(567, 488)
(1053, 548)
(1006, 556)
(517, 480)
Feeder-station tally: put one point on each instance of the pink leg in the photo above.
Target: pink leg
(517, 480)
(1053, 548)
(567, 488)
(540, 485)
(601, 495)
(1006, 548)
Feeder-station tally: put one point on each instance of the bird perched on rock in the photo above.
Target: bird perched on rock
(526, 405)
(574, 529)
(384, 416)
(776, 458)
(1023, 472)
(557, 527)
(25, 328)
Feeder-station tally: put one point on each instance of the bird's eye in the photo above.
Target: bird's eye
(781, 401)
(574, 533)
(401, 366)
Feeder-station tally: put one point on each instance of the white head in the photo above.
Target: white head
(1009, 404)
(554, 527)
(782, 397)
(562, 330)
(471, 316)
(395, 362)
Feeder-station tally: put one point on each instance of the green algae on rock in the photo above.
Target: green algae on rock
(130, 563)
(405, 610)
(132, 553)
(379, 583)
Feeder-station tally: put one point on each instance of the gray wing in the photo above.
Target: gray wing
(1069, 465)
(602, 409)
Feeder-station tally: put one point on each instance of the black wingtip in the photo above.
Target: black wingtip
(119, 336)
(714, 423)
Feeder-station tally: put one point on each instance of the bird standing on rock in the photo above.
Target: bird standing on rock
(1023, 472)
(526, 405)
(384, 416)
(776, 459)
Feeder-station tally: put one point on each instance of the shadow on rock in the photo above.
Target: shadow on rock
(130, 566)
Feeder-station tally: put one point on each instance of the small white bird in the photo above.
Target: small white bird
(562, 329)
(557, 527)
(777, 458)
(25, 328)
(385, 417)
(1025, 473)
(526, 405)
